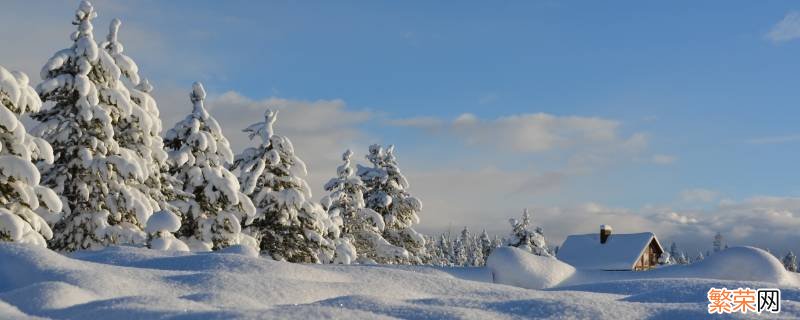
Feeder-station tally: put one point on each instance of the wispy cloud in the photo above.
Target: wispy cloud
(663, 159)
(785, 30)
(533, 132)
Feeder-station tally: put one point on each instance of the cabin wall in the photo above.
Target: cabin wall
(649, 258)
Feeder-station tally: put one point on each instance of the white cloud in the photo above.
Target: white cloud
(663, 159)
(678, 218)
(785, 30)
(698, 195)
(534, 133)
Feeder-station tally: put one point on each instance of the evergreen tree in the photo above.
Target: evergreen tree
(665, 259)
(790, 262)
(213, 216)
(461, 248)
(362, 226)
(475, 256)
(718, 242)
(94, 176)
(529, 240)
(386, 194)
(674, 252)
(141, 130)
(22, 199)
(288, 224)
(682, 258)
(447, 250)
(486, 245)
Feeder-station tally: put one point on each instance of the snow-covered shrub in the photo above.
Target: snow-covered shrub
(160, 229)
(212, 218)
(22, 199)
(386, 194)
(526, 239)
(92, 173)
(360, 226)
(287, 223)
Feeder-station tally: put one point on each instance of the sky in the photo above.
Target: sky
(676, 117)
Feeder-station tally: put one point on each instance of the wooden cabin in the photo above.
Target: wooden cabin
(611, 252)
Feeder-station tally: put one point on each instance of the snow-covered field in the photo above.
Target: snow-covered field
(135, 283)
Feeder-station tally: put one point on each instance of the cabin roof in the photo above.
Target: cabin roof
(620, 252)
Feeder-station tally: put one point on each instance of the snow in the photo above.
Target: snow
(163, 220)
(136, 283)
(517, 267)
(618, 253)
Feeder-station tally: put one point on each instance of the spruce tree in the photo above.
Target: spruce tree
(718, 243)
(524, 238)
(790, 262)
(212, 218)
(460, 248)
(22, 199)
(362, 227)
(386, 194)
(486, 245)
(141, 130)
(92, 173)
(288, 224)
(674, 252)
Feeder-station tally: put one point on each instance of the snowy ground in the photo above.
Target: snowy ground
(132, 283)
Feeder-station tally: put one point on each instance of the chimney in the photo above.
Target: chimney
(605, 232)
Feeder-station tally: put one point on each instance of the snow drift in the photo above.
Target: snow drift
(516, 267)
(138, 283)
(519, 268)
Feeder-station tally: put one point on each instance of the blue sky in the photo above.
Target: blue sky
(678, 117)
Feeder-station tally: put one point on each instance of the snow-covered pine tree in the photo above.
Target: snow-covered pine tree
(446, 248)
(665, 259)
(719, 242)
(288, 224)
(461, 248)
(522, 237)
(141, 130)
(22, 199)
(216, 211)
(674, 252)
(682, 258)
(386, 194)
(486, 245)
(497, 242)
(362, 226)
(475, 256)
(94, 176)
(790, 261)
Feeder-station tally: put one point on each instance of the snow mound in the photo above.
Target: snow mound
(736, 263)
(163, 220)
(519, 268)
(128, 282)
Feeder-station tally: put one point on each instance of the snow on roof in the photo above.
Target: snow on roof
(620, 252)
